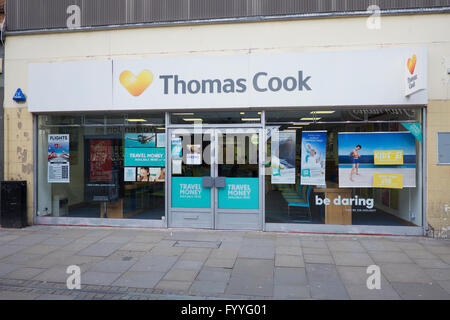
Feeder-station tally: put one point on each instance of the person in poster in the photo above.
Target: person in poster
(313, 157)
(355, 159)
(140, 140)
(143, 174)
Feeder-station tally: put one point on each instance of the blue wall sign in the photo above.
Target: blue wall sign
(19, 96)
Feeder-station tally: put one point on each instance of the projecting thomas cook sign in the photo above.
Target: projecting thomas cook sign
(290, 79)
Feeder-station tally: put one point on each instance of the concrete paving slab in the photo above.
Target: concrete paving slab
(290, 276)
(289, 261)
(445, 285)
(202, 287)
(99, 278)
(181, 275)
(321, 272)
(137, 246)
(54, 297)
(6, 268)
(252, 286)
(100, 249)
(319, 244)
(431, 263)
(361, 292)
(389, 256)
(210, 274)
(380, 245)
(174, 286)
(138, 279)
(328, 290)
(318, 258)
(15, 295)
(23, 273)
(112, 265)
(342, 258)
(20, 258)
(289, 250)
(253, 268)
(438, 274)
(346, 245)
(318, 251)
(194, 256)
(291, 292)
(257, 252)
(188, 265)
(220, 263)
(167, 251)
(420, 291)
(154, 263)
(224, 253)
(420, 254)
(9, 249)
(404, 272)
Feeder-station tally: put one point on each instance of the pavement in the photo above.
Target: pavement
(143, 264)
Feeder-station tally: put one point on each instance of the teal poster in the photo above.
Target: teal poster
(145, 157)
(140, 140)
(415, 128)
(188, 192)
(239, 193)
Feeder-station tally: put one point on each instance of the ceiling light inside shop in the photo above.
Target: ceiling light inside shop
(322, 112)
(192, 119)
(295, 127)
(288, 130)
(250, 119)
(184, 114)
(136, 120)
(310, 119)
(241, 112)
(301, 123)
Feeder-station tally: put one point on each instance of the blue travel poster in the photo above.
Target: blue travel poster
(357, 157)
(314, 147)
(239, 193)
(145, 157)
(188, 192)
(140, 140)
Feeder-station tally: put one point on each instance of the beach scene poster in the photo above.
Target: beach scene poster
(357, 163)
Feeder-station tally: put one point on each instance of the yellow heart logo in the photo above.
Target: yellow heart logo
(136, 85)
(412, 64)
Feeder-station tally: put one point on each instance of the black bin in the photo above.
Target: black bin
(13, 208)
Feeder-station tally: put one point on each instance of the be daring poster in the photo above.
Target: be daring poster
(367, 159)
(314, 145)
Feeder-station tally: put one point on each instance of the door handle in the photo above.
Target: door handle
(208, 182)
(220, 182)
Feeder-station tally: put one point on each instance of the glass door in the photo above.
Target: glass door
(238, 180)
(215, 179)
(191, 199)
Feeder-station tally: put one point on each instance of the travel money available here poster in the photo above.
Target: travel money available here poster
(58, 158)
(283, 157)
(313, 157)
(143, 158)
(377, 159)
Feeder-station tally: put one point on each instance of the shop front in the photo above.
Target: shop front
(272, 141)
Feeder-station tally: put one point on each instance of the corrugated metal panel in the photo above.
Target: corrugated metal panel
(48, 14)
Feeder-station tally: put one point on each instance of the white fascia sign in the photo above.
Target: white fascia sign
(276, 79)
